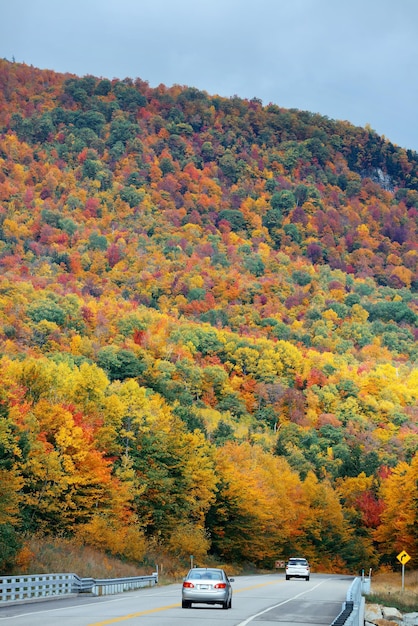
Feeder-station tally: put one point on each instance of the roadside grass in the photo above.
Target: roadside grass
(386, 589)
(42, 555)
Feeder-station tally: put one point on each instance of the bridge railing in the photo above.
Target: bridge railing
(352, 613)
(14, 589)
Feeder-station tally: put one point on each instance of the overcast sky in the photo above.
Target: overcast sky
(353, 60)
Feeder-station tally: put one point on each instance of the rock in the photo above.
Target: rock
(389, 612)
(372, 613)
(376, 615)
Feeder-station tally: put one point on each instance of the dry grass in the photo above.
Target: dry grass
(386, 589)
(58, 555)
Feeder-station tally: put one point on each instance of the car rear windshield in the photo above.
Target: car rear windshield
(298, 562)
(213, 575)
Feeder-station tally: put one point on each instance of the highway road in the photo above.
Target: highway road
(257, 601)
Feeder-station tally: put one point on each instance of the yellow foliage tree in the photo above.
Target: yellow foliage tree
(323, 523)
(399, 521)
(257, 512)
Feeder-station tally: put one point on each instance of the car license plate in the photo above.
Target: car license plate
(204, 586)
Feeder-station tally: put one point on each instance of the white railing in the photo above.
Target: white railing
(45, 586)
(23, 587)
(352, 613)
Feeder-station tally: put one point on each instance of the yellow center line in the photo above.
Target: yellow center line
(271, 582)
(124, 618)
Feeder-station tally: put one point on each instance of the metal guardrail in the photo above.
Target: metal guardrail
(25, 588)
(108, 586)
(352, 613)
(13, 588)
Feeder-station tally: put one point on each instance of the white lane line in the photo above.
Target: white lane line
(274, 606)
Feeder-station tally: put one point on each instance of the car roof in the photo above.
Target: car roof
(206, 569)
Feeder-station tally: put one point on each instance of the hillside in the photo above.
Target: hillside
(208, 324)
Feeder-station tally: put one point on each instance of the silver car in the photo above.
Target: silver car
(206, 585)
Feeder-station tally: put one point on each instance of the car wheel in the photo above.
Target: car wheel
(307, 578)
(185, 604)
(230, 603)
(225, 605)
(287, 577)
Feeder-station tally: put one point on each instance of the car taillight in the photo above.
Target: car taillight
(188, 585)
(220, 586)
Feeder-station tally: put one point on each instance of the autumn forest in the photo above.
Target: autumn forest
(208, 326)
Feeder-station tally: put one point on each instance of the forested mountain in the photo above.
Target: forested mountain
(208, 324)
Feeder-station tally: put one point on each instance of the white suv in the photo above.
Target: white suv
(297, 568)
